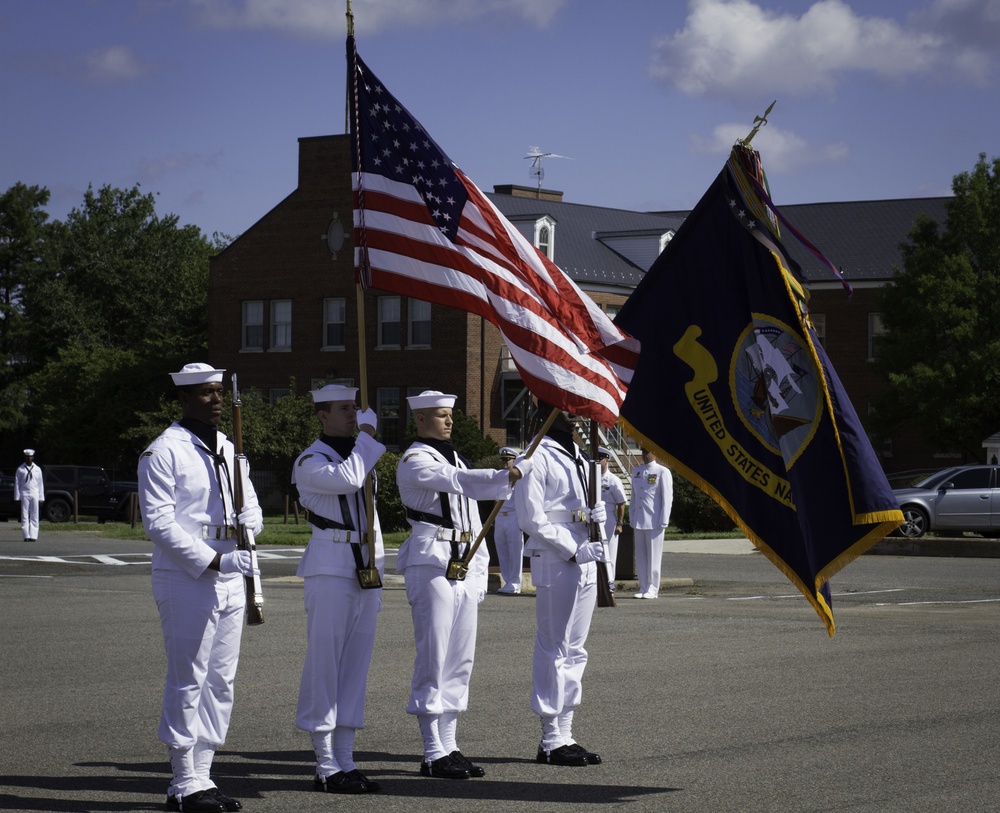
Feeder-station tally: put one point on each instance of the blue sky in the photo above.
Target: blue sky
(201, 101)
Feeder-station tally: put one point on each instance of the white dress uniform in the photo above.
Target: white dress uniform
(613, 495)
(29, 489)
(444, 611)
(550, 502)
(649, 515)
(341, 616)
(185, 494)
(509, 539)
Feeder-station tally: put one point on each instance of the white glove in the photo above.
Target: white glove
(239, 561)
(252, 518)
(598, 513)
(590, 552)
(524, 465)
(366, 417)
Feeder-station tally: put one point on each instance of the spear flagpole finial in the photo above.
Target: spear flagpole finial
(350, 20)
(758, 122)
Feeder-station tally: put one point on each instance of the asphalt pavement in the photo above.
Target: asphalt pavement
(725, 694)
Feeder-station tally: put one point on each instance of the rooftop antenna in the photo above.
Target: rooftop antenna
(536, 170)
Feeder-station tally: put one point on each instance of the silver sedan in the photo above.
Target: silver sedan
(957, 499)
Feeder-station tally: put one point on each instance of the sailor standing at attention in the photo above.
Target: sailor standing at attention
(552, 509)
(439, 492)
(649, 515)
(186, 497)
(29, 490)
(340, 614)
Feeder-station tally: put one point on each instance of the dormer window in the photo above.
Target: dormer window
(545, 236)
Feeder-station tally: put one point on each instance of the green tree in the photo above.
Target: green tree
(940, 355)
(23, 242)
(118, 297)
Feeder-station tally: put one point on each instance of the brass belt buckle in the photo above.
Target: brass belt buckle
(464, 536)
(579, 515)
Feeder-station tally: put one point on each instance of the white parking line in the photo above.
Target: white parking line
(799, 595)
(963, 601)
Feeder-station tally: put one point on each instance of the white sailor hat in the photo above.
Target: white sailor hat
(29, 452)
(334, 392)
(602, 452)
(508, 451)
(431, 399)
(196, 373)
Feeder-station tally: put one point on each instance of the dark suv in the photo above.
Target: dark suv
(95, 494)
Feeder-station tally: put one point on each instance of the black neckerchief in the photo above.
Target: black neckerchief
(205, 432)
(564, 439)
(342, 446)
(444, 447)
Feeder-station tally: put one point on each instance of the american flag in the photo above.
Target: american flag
(422, 229)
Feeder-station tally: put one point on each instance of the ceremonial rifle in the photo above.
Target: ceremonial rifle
(605, 598)
(244, 536)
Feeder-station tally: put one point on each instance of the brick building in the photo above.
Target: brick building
(284, 302)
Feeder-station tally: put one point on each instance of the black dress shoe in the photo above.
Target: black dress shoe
(445, 768)
(472, 768)
(591, 757)
(340, 782)
(200, 801)
(228, 802)
(563, 755)
(371, 785)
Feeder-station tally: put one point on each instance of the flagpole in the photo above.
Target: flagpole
(368, 576)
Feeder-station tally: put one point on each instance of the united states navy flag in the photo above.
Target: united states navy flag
(735, 392)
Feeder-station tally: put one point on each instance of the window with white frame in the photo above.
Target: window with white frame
(876, 332)
(389, 328)
(281, 324)
(419, 323)
(545, 237)
(612, 310)
(335, 323)
(253, 325)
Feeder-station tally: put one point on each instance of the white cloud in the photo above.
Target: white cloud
(732, 47)
(116, 63)
(784, 152)
(324, 19)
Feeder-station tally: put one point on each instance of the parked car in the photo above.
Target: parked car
(956, 499)
(9, 507)
(95, 493)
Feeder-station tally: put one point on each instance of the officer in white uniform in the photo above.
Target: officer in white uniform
(30, 491)
(186, 497)
(613, 496)
(552, 511)
(340, 614)
(507, 536)
(649, 515)
(439, 492)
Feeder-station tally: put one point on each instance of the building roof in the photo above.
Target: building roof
(578, 250)
(861, 238)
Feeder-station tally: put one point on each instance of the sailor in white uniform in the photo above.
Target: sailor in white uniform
(507, 536)
(552, 511)
(340, 614)
(649, 515)
(439, 492)
(29, 490)
(613, 496)
(186, 497)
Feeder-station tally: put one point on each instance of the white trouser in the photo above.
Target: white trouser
(445, 615)
(29, 516)
(566, 594)
(611, 545)
(340, 627)
(202, 622)
(510, 546)
(648, 558)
